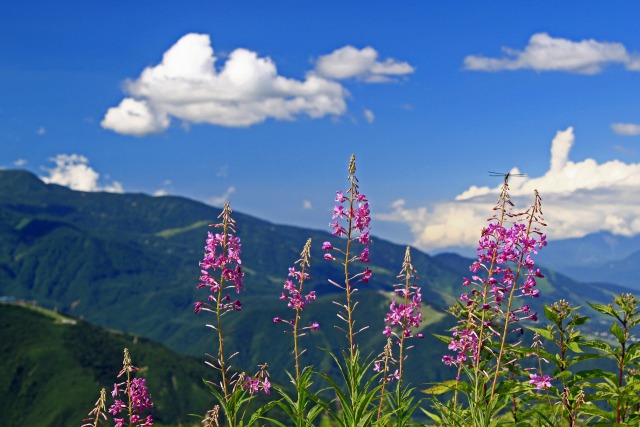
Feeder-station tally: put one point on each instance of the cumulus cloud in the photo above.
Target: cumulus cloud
(350, 62)
(133, 117)
(546, 53)
(578, 198)
(73, 171)
(20, 162)
(628, 129)
(244, 91)
(224, 197)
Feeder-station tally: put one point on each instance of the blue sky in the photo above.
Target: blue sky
(262, 103)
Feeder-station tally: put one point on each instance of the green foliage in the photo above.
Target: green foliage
(355, 397)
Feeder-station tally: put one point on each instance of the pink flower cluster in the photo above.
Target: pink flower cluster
(140, 402)
(541, 382)
(505, 257)
(222, 253)
(296, 300)
(357, 215)
(258, 382)
(464, 343)
(406, 316)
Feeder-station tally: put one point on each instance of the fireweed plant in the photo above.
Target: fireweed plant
(488, 314)
(402, 320)
(351, 220)
(128, 412)
(301, 411)
(221, 272)
(506, 370)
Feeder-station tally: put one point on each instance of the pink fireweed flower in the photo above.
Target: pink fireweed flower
(222, 255)
(356, 217)
(137, 395)
(541, 382)
(352, 217)
(504, 270)
(259, 381)
(221, 272)
(405, 315)
(297, 299)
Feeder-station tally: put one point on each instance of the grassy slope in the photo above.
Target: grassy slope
(52, 370)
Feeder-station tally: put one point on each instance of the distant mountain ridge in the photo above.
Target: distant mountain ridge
(130, 262)
(597, 257)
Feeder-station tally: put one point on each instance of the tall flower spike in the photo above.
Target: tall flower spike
(221, 271)
(406, 315)
(352, 219)
(137, 394)
(97, 415)
(297, 300)
(505, 270)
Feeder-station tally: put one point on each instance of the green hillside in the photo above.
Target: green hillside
(130, 262)
(53, 368)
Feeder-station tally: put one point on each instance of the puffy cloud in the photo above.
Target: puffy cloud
(133, 117)
(629, 129)
(546, 53)
(578, 198)
(350, 62)
(246, 90)
(73, 171)
(20, 162)
(223, 198)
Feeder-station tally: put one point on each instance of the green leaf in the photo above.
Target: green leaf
(618, 332)
(591, 374)
(551, 315)
(444, 338)
(604, 309)
(443, 387)
(599, 345)
(574, 347)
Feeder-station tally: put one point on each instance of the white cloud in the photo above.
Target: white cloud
(20, 162)
(546, 53)
(223, 198)
(41, 131)
(133, 117)
(626, 129)
(350, 62)
(578, 198)
(73, 171)
(306, 205)
(246, 90)
(368, 115)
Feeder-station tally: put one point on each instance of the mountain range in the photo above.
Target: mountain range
(131, 262)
